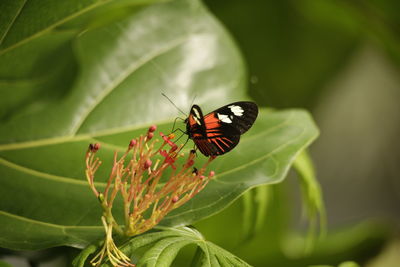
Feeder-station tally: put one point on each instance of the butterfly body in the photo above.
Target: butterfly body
(219, 131)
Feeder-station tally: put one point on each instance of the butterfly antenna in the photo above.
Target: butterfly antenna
(174, 104)
(193, 100)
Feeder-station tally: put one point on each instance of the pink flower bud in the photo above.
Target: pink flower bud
(211, 174)
(175, 199)
(94, 147)
(202, 177)
(152, 128)
(149, 135)
(132, 143)
(147, 164)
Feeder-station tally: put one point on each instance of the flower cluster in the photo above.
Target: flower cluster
(139, 177)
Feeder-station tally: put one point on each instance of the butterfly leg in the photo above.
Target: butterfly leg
(183, 133)
(173, 126)
(187, 140)
(194, 150)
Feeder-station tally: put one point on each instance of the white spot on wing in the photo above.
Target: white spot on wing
(197, 116)
(236, 110)
(196, 112)
(224, 118)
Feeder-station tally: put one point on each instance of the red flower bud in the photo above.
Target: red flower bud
(175, 199)
(94, 147)
(97, 146)
(152, 128)
(132, 143)
(149, 135)
(147, 164)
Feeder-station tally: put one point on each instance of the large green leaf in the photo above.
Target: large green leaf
(36, 41)
(175, 47)
(163, 247)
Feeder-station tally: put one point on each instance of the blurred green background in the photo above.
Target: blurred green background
(340, 60)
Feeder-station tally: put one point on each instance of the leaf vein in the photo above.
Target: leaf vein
(12, 22)
(43, 31)
(135, 66)
(44, 175)
(33, 221)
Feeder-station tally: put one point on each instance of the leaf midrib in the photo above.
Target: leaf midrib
(64, 179)
(80, 137)
(75, 138)
(12, 22)
(62, 227)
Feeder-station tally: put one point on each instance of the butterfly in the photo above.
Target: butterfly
(219, 131)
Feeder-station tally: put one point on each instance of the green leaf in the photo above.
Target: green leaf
(263, 156)
(312, 198)
(31, 38)
(123, 68)
(4, 264)
(343, 264)
(164, 246)
(25, 20)
(255, 205)
(80, 260)
(348, 264)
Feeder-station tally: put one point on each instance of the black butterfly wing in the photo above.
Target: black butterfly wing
(219, 131)
(239, 115)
